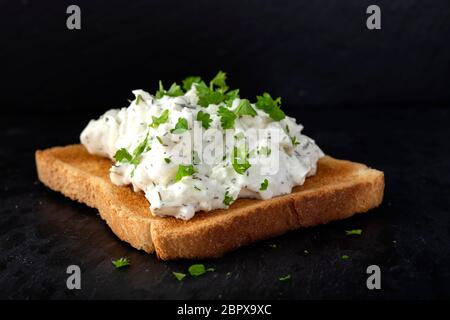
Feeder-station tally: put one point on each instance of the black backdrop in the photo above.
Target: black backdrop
(312, 53)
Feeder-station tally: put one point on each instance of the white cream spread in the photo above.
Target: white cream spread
(152, 153)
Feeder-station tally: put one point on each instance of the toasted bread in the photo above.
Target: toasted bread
(337, 191)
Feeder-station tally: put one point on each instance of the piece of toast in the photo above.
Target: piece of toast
(337, 191)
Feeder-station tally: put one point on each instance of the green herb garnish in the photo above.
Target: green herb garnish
(265, 151)
(353, 232)
(122, 155)
(167, 160)
(204, 118)
(227, 200)
(184, 171)
(120, 263)
(174, 91)
(199, 269)
(264, 185)
(270, 106)
(179, 275)
(227, 118)
(285, 278)
(245, 109)
(294, 141)
(180, 127)
(156, 121)
(345, 257)
(189, 81)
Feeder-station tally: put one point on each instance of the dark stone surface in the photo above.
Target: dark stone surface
(41, 232)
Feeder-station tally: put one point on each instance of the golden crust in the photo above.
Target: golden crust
(338, 190)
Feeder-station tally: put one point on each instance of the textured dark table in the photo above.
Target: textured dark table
(42, 232)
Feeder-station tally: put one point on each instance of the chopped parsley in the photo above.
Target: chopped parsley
(174, 91)
(353, 232)
(206, 96)
(160, 140)
(285, 278)
(199, 269)
(120, 263)
(197, 188)
(204, 118)
(265, 151)
(220, 81)
(216, 92)
(156, 121)
(179, 275)
(184, 171)
(264, 185)
(122, 155)
(167, 160)
(294, 141)
(227, 118)
(345, 257)
(189, 81)
(270, 106)
(240, 160)
(227, 200)
(245, 109)
(180, 127)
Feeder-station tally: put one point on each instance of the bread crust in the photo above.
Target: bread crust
(338, 190)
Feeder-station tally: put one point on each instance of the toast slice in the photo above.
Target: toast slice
(338, 190)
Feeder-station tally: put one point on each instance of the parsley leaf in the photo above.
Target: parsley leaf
(174, 91)
(294, 141)
(245, 109)
(285, 278)
(184, 171)
(189, 81)
(230, 96)
(138, 151)
(179, 275)
(197, 270)
(156, 121)
(227, 200)
(240, 160)
(167, 160)
(345, 257)
(180, 127)
(265, 151)
(120, 263)
(270, 106)
(220, 81)
(264, 185)
(122, 155)
(206, 96)
(160, 140)
(227, 118)
(205, 119)
(353, 232)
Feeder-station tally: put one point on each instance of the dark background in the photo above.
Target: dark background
(379, 97)
(311, 53)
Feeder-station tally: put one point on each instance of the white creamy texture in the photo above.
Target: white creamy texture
(206, 189)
